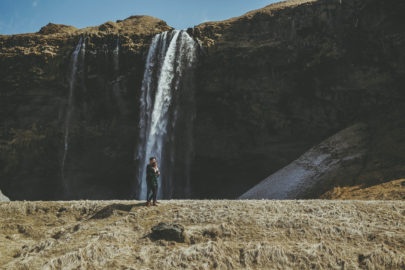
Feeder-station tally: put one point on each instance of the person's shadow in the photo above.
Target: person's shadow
(108, 210)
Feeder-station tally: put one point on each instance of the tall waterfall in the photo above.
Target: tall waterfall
(116, 54)
(117, 88)
(79, 50)
(167, 113)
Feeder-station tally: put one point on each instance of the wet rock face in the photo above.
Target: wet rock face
(275, 82)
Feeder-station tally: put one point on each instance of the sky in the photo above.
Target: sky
(27, 16)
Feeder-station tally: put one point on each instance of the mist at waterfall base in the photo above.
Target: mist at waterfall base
(166, 114)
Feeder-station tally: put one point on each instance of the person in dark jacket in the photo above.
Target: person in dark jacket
(152, 175)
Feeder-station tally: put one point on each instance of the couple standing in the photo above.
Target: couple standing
(152, 175)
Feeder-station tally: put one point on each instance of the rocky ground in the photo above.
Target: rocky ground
(221, 234)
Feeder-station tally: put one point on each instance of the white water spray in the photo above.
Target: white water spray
(169, 65)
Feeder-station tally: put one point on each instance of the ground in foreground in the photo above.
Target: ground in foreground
(219, 234)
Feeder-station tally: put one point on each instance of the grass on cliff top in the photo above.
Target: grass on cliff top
(257, 234)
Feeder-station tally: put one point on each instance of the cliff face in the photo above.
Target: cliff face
(36, 75)
(269, 85)
(276, 81)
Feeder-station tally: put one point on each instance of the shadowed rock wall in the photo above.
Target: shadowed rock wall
(277, 81)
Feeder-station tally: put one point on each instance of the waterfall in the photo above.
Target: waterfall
(116, 53)
(117, 88)
(80, 48)
(166, 113)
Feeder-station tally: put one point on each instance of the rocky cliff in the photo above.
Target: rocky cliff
(36, 73)
(276, 81)
(270, 85)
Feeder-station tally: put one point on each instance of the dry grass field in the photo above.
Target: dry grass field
(219, 234)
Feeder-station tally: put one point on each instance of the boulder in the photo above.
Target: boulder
(168, 231)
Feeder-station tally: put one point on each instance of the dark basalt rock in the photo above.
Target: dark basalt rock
(168, 231)
(277, 81)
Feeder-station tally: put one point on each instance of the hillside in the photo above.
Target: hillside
(218, 235)
(392, 190)
(316, 170)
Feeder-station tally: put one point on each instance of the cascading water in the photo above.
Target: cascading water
(79, 50)
(166, 113)
(116, 53)
(117, 87)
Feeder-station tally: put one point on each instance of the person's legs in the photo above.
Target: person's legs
(148, 195)
(154, 194)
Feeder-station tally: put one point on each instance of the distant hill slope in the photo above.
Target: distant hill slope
(361, 155)
(393, 190)
(316, 169)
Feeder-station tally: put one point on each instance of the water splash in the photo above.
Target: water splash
(166, 95)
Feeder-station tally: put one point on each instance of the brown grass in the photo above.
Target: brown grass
(393, 190)
(224, 234)
(269, 9)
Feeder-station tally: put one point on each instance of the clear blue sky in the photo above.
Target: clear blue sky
(24, 16)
